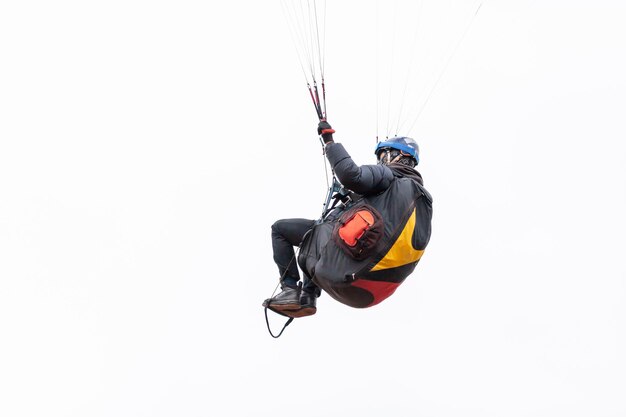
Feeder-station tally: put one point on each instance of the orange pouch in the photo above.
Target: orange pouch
(356, 227)
(359, 230)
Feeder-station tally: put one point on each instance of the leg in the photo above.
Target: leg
(310, 288)
(285, 235)
(291, 301)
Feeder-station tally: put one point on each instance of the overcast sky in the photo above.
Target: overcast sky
(147, 147)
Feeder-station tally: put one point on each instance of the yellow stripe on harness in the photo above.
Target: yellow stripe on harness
(402, 251)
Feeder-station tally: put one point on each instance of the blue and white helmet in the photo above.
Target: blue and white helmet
(406, 145)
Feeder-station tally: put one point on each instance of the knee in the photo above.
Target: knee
(277, 227)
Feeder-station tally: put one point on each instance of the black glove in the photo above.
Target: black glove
(326, 131)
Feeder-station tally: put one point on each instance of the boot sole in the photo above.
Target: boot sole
(301, 312)
(282, 307)
(278, 306)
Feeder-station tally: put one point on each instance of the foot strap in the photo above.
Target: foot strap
(268, 322)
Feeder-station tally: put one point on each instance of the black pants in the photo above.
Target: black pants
(286, 234)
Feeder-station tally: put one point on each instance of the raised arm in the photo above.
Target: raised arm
(364, 179)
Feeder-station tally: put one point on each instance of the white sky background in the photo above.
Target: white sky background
(147, 147)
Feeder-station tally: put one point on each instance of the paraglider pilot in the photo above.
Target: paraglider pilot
(397, 158)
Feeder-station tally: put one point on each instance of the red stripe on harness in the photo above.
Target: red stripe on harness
(379, 289)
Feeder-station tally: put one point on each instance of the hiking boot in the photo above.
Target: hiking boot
(307, 306)
(287, 299)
